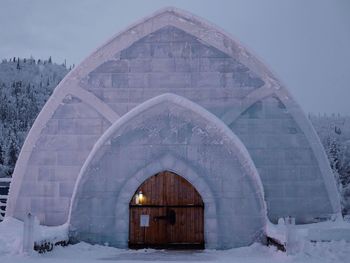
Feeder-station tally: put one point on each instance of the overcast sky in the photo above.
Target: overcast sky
(305, 42)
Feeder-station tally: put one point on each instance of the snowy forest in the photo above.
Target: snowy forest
(334, 133)
(26, 84)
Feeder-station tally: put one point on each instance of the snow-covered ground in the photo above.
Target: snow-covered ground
(320, 252)
(11, 232)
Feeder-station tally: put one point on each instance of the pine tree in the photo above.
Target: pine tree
(334, 153)
(12, 154)
(18, 65)
(2, 159)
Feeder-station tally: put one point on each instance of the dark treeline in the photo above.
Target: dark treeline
(25, 86)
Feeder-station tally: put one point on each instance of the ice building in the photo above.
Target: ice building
(172, 134)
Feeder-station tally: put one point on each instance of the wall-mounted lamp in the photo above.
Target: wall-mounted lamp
(139, 198)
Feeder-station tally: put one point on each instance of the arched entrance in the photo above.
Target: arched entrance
(169, 133)
(166, 211)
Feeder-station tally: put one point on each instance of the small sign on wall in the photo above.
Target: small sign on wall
(144, 220)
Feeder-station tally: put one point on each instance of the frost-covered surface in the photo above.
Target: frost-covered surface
(83, 252)
(11, 235)
(173, 52)
(324, 231)
(11, 231)
(172, 133)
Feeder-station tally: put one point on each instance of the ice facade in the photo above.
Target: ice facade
(169, 133)
(172, 92)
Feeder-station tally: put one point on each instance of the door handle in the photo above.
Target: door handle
(156, 218)
(170, 217)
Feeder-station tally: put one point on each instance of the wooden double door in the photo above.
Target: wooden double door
(166, 212)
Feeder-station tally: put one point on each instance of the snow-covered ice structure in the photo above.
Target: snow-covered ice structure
(172, 92)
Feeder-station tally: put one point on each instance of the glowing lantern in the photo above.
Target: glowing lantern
(139, 198)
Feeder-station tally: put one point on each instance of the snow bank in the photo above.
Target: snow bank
(326, 252)
(328, 231)
(277, 232)
(11, 235)
(338, 230)
(53, 234)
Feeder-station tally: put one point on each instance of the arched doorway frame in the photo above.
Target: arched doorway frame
(218, 219)
(170, 163)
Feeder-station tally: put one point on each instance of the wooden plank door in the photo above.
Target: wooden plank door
(175, 211)
(155, 234)
(188, 228)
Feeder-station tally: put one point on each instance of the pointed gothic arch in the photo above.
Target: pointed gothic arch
(223, 174)
(172, 51)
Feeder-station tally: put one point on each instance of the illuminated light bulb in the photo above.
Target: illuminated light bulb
(141, 197)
